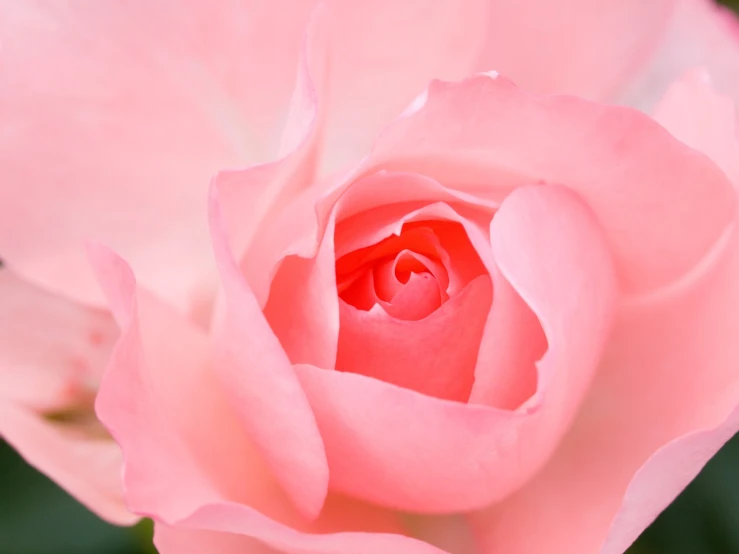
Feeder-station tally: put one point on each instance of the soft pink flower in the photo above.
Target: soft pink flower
(516, 308)
(117, 115)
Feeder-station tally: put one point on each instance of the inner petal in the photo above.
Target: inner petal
(407, 298)
(392, 275)
(408, 262)
(420, 239)
(404, 274)
(417, 299)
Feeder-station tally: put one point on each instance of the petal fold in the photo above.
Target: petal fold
(496, 137)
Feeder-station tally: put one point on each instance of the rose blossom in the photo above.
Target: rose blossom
(518, 309)
(185, 127)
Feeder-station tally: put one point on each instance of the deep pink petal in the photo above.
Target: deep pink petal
(505, 374)
(418, 298)
(419, 354)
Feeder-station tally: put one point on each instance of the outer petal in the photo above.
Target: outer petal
(539, 43)
(471, 455)
(237, 526)
(183, 445)
(303, 308)
(52, 354)
(262, 387)
(183, 540)
(694, 113)
(658, 482)
(700, 34)
(129, 109)
(383, 53)
(52, 351)
(663, 403)
(88, 467)
(493, 132)
(702, 119)
(268, 208)
(117, 114)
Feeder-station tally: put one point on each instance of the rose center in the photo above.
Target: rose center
(408, 275)
(409, 299)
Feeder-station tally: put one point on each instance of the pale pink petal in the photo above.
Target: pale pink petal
(52, 350)
(262, 387)
(52, 355)
(383, 53)
(116, 114)
(700, 34)
(395, 194)
(88, 467)
(658, 482)
(183, 444)
(268, 208)
(353, 519)
(358, 37)
(513, 342)
(548, 230)
(694, 113)
(184, 540)
(495, 133)
(255, 196)
(572, 46)
(451, 532)
(663, 403)
(303, 310)
(241, 525)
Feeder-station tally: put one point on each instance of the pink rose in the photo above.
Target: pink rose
(517, 308)
(519, 366)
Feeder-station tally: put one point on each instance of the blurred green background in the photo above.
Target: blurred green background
(37, 517)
